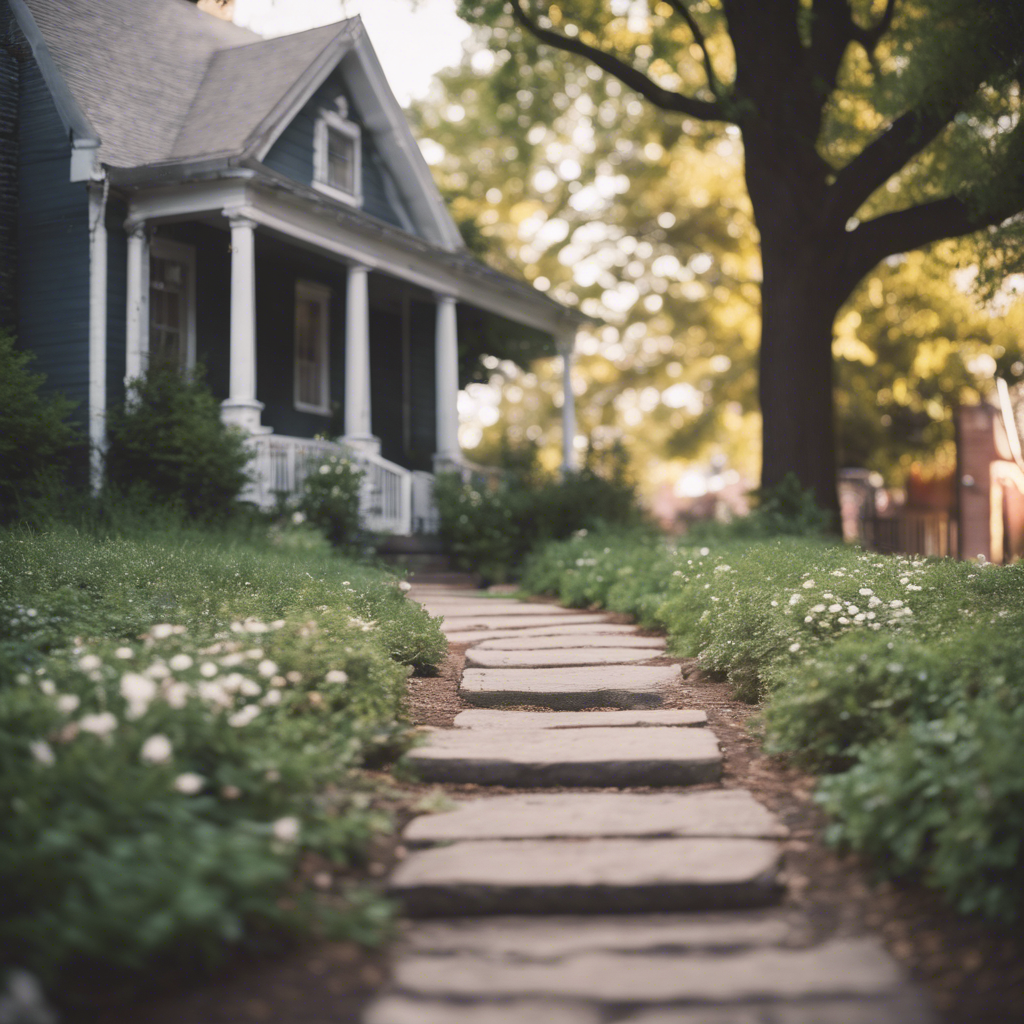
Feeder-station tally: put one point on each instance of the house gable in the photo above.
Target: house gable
(293, 156)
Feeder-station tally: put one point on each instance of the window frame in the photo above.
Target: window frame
(320, 292)
(334, 120)
(184, 253)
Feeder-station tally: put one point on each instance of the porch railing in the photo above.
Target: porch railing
(912, 532)
(281, 463)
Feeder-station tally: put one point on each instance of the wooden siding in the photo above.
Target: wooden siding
(53, 246)
(292, 153)
(9, 89)
(422, 393)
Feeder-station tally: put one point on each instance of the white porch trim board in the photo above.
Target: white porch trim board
(358, 429)
(241, 408)
(446, 354)
(97, 330)
(137, 313)
(566, 349)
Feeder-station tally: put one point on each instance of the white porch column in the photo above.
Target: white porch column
(446, 355)
(241, 408)
(97, 331)
(137, 321)
(566, 347)
(358, 428)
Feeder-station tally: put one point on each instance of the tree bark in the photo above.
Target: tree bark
(801, 292)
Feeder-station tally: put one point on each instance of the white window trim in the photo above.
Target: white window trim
(165, 249)
(332, 119)
(319, 293)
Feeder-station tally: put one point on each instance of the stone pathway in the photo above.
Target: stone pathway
(644, 907)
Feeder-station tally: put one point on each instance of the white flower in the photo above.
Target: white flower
(267, 668)
(819, 608)
(161, 631)
(324, 469)
(68, 703)
(335, 675)
(180, 662)
(124, 653)
(230, 660)
(189, 783)
(156, 750)
(230, 792)
(49, 687)
(705, 551)
(895, 604)
(272, 697)
(859, 618)
(177, 695)
(723, 568)
(255, 626)
(249, 688)
(139, 692)
(874, 602)
(865, 591)
(808, 618)
(243, 716)
(286, 829)
(835, 608)
(405, 587)
(293, 676)
(298, 518)
(278, 681)
(99, 725)
(843, 620)
(89, 662)
(232, 682)
(158, 670)
(807, 584)
(208, 670)
(214, 693)
(795, 599)
(775, 604)
(852, 609)
(42, 752)
(794, 647)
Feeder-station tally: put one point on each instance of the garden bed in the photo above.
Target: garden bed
(186, 725)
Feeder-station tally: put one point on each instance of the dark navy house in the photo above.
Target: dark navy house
(174, 189)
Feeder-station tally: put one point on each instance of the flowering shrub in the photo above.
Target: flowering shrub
(330, 498)
(902, 676)
(160, 793)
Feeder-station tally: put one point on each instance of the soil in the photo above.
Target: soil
(971, 969)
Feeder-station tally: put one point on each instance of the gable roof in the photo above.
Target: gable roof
(160, 81)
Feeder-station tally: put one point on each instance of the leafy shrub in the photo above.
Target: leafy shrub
(491, 529)
(168, 437)
(330, 498)
(35, 436)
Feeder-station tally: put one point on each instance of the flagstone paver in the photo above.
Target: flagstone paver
(653, 756)
(483, 622)
(566, 639)
(565, 689)
(723, 813)
(591, 876)
(570, 630)
(558, 657)
(601, 907)
(480, 718)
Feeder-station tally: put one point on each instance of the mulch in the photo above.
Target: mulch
(971, 969)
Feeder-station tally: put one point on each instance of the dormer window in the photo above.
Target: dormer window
(337, 154)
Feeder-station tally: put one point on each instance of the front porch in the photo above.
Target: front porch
(303, 343)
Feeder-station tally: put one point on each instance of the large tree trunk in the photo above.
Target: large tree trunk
(799, 302)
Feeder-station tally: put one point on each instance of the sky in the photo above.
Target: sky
(413, 38)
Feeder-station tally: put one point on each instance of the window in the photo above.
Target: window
(172, 314)
(312, 331)
(337, 154)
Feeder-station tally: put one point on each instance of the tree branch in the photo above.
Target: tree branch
(681, 8)
(625, 73)
(869, 38)
(912, 228)
(879, 161)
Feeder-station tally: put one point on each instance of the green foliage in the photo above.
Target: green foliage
(182, 721)
(168, 438)
(35, 437)
(330, 498)
(491, 528)
(900, 675)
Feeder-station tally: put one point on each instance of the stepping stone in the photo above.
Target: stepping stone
(899, 1008)
(518, 642)
(479, 621)
(839, 969)
(480, 718)
(631, 686)
(571, 757)
(570, 630)
(593, 876)
(725, 813)
(558, 657)
(551, 938)
(398, 1010)
(497, 608)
